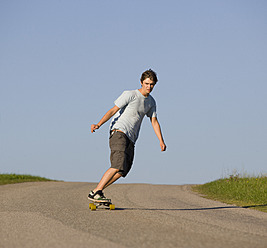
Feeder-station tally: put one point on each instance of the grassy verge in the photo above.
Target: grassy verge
(14, 178)
(247, 192)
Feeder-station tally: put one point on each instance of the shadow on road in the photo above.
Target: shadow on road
(189, 209)
(255, 206)
(178, 209)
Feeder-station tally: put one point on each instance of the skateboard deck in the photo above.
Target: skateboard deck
(100, 204)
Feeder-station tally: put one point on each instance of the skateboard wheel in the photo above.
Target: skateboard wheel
(111, 206)
(90, 205)
(93, 207)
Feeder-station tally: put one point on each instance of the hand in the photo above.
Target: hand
(94, 127)
(163, 146)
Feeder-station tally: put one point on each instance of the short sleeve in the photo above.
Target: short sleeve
(123, 99)
(152, 112)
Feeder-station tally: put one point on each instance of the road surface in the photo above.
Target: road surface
(56, 214)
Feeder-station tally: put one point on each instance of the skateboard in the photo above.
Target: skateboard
(98, 204)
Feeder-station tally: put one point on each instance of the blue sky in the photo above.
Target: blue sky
(63, 63)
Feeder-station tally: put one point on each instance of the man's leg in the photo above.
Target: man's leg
(112, 180)
(109, 177)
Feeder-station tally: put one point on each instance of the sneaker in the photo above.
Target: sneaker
(98, 196)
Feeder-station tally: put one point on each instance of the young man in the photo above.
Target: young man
(128, 112)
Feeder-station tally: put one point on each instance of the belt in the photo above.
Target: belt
(115, 130)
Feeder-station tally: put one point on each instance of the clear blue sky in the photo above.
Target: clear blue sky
(63, 63)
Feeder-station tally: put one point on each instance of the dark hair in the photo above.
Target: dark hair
(149, 74)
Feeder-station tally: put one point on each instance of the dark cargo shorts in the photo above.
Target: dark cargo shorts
(122, 152)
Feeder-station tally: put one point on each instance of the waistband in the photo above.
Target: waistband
(115, 130)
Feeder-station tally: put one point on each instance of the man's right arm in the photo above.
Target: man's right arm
(105, 118)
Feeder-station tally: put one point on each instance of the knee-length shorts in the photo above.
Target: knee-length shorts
(121, 152)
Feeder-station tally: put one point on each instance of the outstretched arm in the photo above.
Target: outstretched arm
(156, 127)
(105, 118)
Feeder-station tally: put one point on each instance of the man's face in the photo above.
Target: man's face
(147, 86)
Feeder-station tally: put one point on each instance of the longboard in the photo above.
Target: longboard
(96, 204)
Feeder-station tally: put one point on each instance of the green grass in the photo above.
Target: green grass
(247, 192)
(15, 178)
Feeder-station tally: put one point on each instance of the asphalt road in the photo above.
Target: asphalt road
(56, 214)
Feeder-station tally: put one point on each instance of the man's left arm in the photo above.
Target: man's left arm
(156, 127)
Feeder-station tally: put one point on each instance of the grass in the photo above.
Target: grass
(15, 178)
(247, 192)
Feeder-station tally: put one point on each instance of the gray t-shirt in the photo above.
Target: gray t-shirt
(133, 107)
